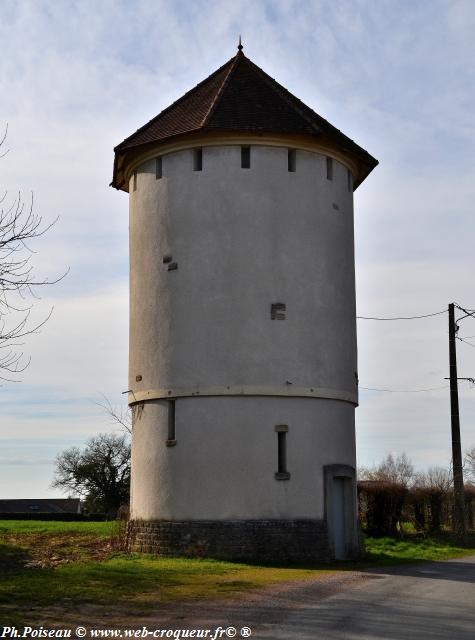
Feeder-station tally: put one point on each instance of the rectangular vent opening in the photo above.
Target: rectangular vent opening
(198, 159)
(135, 181)
(329, 168)
(171, 436)
(245, 157)
(158, 167)
(282, 473)
(277, 311)
(291, 160)
(350, 181)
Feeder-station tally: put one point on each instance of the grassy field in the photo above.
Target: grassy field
(65, 564)
(391, 551)
(31, 527)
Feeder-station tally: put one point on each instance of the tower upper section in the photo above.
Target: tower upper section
(238, 99)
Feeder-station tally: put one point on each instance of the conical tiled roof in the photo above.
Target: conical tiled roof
(239, 97)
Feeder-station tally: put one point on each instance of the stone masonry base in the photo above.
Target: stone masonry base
(298, 541)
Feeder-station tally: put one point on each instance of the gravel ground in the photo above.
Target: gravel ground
(259, 609)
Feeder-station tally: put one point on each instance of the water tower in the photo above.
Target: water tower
(243, 359)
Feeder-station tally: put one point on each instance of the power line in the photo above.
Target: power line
(446, 386)
(469, 312)
(427, 315)
(465, 341)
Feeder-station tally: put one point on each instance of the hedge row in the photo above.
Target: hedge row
(384, 506)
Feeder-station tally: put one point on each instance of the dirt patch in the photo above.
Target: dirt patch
(46, 551)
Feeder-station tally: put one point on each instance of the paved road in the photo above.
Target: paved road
(419, 602)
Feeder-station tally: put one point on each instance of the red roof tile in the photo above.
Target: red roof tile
(239, 97)
(185, 115)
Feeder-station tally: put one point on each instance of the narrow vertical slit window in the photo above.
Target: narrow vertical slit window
(282, 473)
(292, 160)
(171, 439)
(198, 159)
(282, 453)
(350, 181)
(245, 157)
(329, 168)
(134, 182)
(158, 167)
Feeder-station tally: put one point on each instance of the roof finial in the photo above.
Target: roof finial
(240, 47)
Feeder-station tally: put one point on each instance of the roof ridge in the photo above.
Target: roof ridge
(220, 91)
(286, 95)
(175, 103)
(303, 109)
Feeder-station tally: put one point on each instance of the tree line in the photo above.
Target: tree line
(393, 497)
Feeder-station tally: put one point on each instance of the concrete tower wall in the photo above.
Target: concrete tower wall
(242, 240)
(224, 463)
(202, 335)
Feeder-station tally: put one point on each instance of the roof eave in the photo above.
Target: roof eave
(365, 162)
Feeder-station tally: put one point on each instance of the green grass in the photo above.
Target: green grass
(390, 551)
(101, 529)
(124, 577)
(67, 564)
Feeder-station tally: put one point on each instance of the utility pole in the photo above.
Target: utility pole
(459, 493)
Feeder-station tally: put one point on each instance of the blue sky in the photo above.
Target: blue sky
(396, 76)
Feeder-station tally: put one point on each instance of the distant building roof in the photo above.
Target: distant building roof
(41, 505)
(239, 97)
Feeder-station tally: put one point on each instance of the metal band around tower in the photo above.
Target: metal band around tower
(288, 391)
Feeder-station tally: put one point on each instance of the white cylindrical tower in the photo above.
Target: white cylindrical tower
(243, 369)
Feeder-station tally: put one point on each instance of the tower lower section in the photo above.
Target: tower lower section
(263, 541)
(264, 479)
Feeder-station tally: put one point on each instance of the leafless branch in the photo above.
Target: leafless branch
(19, 225)
(3, 140)
(120, 416)
(469, 464)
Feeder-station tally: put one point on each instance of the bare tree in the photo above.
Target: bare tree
(100, 473)
(436, 478)
(431, 490)
(121, 416)
(19, 225)
(399, 470)
(470, 465)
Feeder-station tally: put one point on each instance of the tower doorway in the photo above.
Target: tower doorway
(340, 501)
(341, 510)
